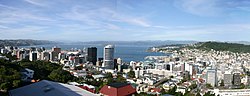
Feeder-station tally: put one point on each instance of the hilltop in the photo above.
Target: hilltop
(24, 42)
(217, 46)
(223, 46)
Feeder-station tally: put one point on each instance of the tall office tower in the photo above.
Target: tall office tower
(32, 49)
(182, 67)
(236, 79)
(92, 55)
(45, 56)
(212, 77)
(119, 61)
(33, 56)
(119, 64)
(82, 59)
(54, 53)
(115, 64)
(56, 49)
(228, 78)
(43, 49)
(99, 62)
(109, 56)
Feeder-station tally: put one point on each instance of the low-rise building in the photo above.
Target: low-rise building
(49, 88)
(117, 89)
(27, 74)
(232, 92)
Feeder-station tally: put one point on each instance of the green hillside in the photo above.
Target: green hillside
(223, 46)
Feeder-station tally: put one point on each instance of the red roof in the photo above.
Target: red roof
(124, 90)
(155, 90)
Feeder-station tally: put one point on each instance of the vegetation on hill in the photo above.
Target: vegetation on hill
(42, 68)
(10, 76)
(223, 46)
(24, 42)
(10, 73)
(57, 76)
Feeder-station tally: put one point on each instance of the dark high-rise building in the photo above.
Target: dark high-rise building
(236, 79)
(92, 55)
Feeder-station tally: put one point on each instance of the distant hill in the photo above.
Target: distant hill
(224, 46)
(149, 42)
(25, 42)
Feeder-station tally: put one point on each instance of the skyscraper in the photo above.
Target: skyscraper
(54, 53)
(33, 56)
(92, 55)
(236, 79)
(109, 56)
(212, 77)
(228, 78)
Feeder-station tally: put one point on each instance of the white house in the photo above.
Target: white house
(27, 74)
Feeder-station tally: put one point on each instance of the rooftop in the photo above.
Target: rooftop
(118, 85)
(49, 88)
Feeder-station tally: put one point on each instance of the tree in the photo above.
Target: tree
(188, 93)
(222, 83)
(131, 74)
(60, 75)
(193, 86)
(79, 68)
(120, 79)
(42, 69)
(209, 86)
(172, 90)
(9, 75)
(5, 86)
(198, 94)
(209, 94)
(16, 83)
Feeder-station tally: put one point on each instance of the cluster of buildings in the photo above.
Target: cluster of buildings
(223, 73)
(66, 57)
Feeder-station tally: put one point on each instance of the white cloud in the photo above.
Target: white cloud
(35, 2)
(23, 32)
(200, 7)
(102, 16)
(3, 27)
(195, 32)
(12, 15)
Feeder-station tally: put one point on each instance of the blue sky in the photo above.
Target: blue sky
(125, 20)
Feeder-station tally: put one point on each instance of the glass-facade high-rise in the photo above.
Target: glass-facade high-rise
(109, 56)
(92, 55)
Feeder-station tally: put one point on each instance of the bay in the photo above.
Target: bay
(127, 52)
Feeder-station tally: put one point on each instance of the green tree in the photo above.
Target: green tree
(172, 90)
(79, 68)
(131, 74)
(188, 93)
(120, 79)
(209, 86)
(60, 75)
(16, 83)
(193, 86)
(222, 83)
(198, 94)
(42, 68)
(5, 86)
(209, 94)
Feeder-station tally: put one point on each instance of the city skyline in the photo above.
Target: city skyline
(125, 20)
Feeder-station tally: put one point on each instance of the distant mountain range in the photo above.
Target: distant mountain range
(25, 42)
(151, 43)
(30, 42)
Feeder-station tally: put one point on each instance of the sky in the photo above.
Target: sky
(125, 20)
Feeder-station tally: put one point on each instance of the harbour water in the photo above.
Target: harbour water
(126, 52)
